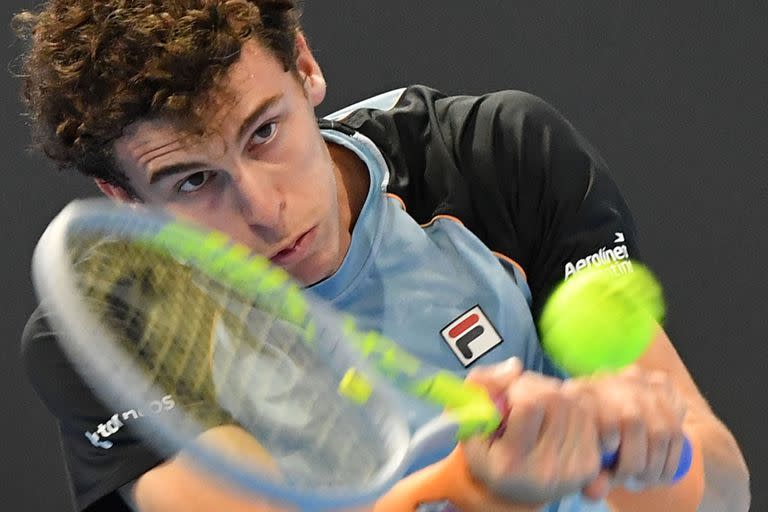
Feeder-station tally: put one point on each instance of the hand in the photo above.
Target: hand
(641, 414)
(550, 447)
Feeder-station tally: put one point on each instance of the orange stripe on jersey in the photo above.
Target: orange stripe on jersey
(511, 261)
(457, 220)
(398, 199)
(442, 216)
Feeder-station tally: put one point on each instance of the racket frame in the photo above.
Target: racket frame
(80, 332)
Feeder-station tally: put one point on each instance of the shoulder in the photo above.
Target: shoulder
(423, 132)
(509, 165)
(419, 105)
(448, 153)
(45, 364)
(419, 96)
(439, 147)
(101, 450)
(51, 373)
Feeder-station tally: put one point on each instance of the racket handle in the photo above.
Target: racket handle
(610, 460)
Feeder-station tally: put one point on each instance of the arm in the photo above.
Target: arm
(582, 211)
(175, 485)
(99, 465)
(725, 474)
(178, 485)
(635, 404)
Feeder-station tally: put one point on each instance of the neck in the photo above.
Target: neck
(352, 183)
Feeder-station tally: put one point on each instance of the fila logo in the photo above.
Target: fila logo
(471, 336)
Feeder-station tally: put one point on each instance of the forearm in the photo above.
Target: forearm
(179, 484)
(726, 478)
(726, 484)
(685, 495)
(717, 481)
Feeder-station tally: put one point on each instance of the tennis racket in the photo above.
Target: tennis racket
(147, 307)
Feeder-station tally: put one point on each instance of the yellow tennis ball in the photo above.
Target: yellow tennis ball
(600, 321)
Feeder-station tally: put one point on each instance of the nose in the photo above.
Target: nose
(261, 202)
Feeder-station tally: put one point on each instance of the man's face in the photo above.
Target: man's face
(264, 176)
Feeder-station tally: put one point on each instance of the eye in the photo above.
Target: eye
(195, 181)
(263, 133)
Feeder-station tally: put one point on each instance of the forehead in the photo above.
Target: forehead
(148, 139)
(256, 75)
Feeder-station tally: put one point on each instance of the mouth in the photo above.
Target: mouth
(296, 250)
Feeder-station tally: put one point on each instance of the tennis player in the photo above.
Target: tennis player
(442, 221)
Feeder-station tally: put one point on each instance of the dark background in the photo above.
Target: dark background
(674, 96)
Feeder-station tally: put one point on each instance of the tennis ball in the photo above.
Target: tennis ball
(599, 320)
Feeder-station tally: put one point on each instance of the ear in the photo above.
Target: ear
(309, 70)
(114, 192)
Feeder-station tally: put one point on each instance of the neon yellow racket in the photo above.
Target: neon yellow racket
(146, 307)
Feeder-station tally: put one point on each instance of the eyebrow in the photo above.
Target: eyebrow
(168, 170)
(256, 113)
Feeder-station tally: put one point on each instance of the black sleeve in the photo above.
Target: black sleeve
(513, 170)
(102, 451)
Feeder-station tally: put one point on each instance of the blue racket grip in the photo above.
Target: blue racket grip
(686, 457)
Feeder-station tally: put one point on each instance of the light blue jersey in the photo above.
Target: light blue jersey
(428, 287)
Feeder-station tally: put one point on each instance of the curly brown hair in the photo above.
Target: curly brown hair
(93, 67)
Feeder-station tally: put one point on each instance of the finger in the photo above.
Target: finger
(633, 450)
(604, 399)
(580, 453)
(498, 377)
(667, 392)
(533, 389)
(674, 452)
(556, 423)
(509, 453)
(663, 424)
(598, 488)
(526, 399)
(597, 401)
(527, 402)
(634, 373)
(520, 425)
(559, 453)
(524, 424)
(658, 450)
(610, 437)
(590, 437)
(608, 412)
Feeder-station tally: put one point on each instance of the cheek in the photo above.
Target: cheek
(315, 178)
(320, 187)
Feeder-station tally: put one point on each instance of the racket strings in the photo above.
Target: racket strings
(158, 319)
(226, 362)
(282, 394)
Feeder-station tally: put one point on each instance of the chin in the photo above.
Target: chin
(320, 271)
